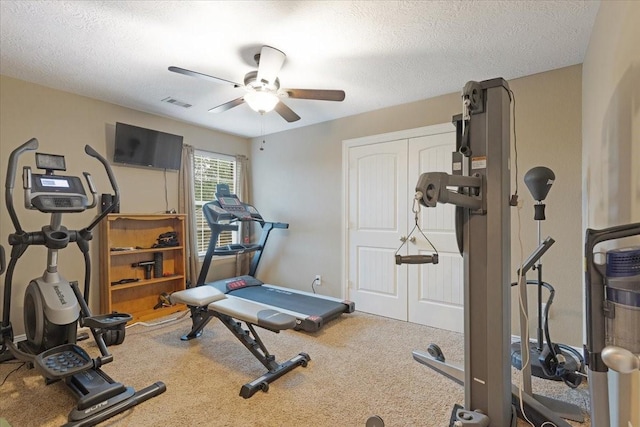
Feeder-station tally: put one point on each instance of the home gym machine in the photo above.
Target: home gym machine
(481, 187)
(612, 290)
(225, 213)
(55, 307)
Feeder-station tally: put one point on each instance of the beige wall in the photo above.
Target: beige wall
(611, 117)
(548, 123)
(63, 123)
(299, 181)
(611, 147)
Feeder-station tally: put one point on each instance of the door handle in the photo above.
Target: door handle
(412, 239)
(403, 238)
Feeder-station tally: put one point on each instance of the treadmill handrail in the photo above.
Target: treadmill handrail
(257, 248)
(236, 248)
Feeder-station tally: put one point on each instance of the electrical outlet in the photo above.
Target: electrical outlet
(318, 280)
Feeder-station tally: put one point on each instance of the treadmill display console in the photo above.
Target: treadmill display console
(234, 206)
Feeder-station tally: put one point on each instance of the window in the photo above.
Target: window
(211, 169)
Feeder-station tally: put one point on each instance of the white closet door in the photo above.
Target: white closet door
(377, 219)
(435, 292)
(381, 172)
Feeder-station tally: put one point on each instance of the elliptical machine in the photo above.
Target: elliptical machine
(55, 307)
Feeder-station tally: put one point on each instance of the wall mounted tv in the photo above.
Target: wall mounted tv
(145, 147)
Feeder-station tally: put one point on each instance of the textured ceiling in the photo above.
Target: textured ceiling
(381, 53)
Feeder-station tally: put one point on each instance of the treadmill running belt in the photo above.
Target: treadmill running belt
(300, 303)
(311, 311)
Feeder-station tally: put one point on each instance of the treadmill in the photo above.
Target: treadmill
(226, 213)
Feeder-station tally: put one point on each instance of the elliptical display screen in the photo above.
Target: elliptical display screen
(54, 182)
(70, 185)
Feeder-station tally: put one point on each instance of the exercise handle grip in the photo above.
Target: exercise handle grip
(92, 190)
(112, 180)
(417, 259)
(30, 145)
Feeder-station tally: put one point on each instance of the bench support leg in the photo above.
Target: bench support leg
(254, 344)
(200, 316)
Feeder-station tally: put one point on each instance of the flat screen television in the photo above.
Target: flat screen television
(146, 147)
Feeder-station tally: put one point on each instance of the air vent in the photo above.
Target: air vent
(174, 101)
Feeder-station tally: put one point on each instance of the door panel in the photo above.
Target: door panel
(377, 182)
(440, 294)
(376, 273)
(435, 291)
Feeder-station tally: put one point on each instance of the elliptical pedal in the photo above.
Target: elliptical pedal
(112, 326)
(107, 321)
(63, 361)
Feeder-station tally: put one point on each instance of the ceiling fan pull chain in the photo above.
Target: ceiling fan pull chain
(262, 132)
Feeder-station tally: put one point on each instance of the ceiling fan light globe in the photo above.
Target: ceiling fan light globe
(261, 102)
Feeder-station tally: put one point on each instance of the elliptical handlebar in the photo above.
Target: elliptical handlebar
(32, 145)
(112, 180)
(92, 190)
(12, 166)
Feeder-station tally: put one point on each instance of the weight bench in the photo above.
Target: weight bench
(206, 302)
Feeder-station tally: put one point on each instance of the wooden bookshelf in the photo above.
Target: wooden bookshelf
(128, 239)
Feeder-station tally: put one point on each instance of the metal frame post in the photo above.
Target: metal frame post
(487, 261)
(483, 226)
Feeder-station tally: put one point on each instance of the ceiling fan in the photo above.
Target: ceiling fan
(263, 92)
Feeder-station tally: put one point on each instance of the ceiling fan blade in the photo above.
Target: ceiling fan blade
(227, 105)
(202, 76)
(319, 94)
(271, 60)
(286, 112)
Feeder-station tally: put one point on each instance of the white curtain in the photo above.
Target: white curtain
(242, 191)
(186, 205)
(242, 178)
(246, 228)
